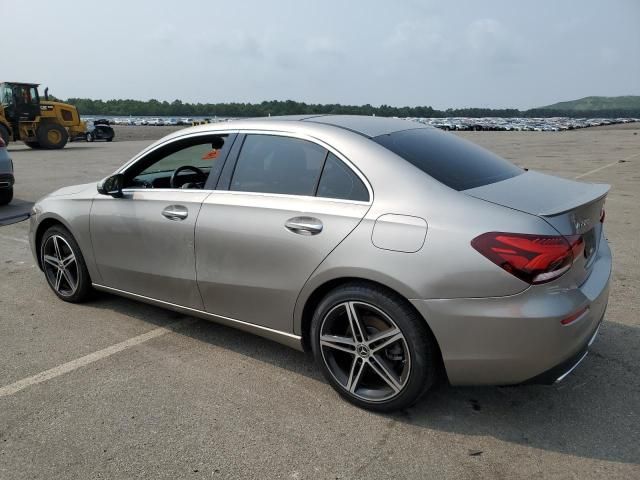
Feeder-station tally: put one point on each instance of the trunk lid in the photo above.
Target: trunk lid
(572, 208)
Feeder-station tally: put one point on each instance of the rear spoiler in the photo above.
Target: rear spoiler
(539, 194)
(597, 192)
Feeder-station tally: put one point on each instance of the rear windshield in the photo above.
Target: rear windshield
(457, 163)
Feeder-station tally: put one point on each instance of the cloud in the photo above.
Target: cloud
(490, 40)
(410, 52)
(241, 45)
(324, 46)
(421, 46)
(165, 34)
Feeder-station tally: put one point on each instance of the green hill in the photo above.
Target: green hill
(592, 104)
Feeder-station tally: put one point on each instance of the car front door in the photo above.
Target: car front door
(143, 242)
(259, 240)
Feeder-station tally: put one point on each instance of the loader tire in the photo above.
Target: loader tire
(52, 136)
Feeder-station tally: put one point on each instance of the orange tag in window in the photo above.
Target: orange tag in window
(211, 155)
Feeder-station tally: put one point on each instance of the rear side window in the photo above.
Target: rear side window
(339, 181)
(457, 163)
(275, 164)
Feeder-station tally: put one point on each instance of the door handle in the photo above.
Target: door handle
(175, 212)
(304, 225)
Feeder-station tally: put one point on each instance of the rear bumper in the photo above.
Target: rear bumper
(562, 370)
(519, 338)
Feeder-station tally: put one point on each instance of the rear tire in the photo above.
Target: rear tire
(4, 133)
(52, 136)
(391, 359)
(6, 195)
(89, 137)
(63, 265)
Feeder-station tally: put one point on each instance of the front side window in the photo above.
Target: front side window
(181, 164)
(276, 164)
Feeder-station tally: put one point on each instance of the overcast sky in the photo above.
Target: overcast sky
(398, 52)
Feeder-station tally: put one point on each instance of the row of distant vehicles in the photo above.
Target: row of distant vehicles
(555, 124)
(157, 121)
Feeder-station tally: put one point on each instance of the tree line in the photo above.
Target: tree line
(177, 108)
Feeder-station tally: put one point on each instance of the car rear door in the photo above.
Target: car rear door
(264, 231)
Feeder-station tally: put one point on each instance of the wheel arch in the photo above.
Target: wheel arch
(316, 296)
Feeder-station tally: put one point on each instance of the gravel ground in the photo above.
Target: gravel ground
(204, 401)
(125, 133)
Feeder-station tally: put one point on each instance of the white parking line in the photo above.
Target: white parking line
(87, 359)
(607, 166)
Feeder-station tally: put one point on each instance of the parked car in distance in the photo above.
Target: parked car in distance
(99, 130)
(395, 252)
(6, 175)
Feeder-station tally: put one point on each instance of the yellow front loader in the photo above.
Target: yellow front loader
(38, 123)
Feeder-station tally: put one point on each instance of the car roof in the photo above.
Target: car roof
(369, 126)
(364, 126)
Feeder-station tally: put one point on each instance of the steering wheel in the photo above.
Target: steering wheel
(202, 177)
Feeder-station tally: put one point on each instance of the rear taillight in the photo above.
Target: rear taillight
(602, 215)
(2, 144)
(532, 258)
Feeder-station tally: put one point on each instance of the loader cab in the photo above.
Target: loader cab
(21, 101)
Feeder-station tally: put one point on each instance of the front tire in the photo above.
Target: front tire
(63, 265)
(52, 136)
(373, 348)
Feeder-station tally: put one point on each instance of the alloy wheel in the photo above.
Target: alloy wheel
(365, 351)
(60, 265)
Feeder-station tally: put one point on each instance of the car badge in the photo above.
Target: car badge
(580, 224)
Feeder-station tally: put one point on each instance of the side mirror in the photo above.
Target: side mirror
(111, 186)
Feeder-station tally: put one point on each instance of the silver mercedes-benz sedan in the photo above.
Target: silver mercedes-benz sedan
(393, 251)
